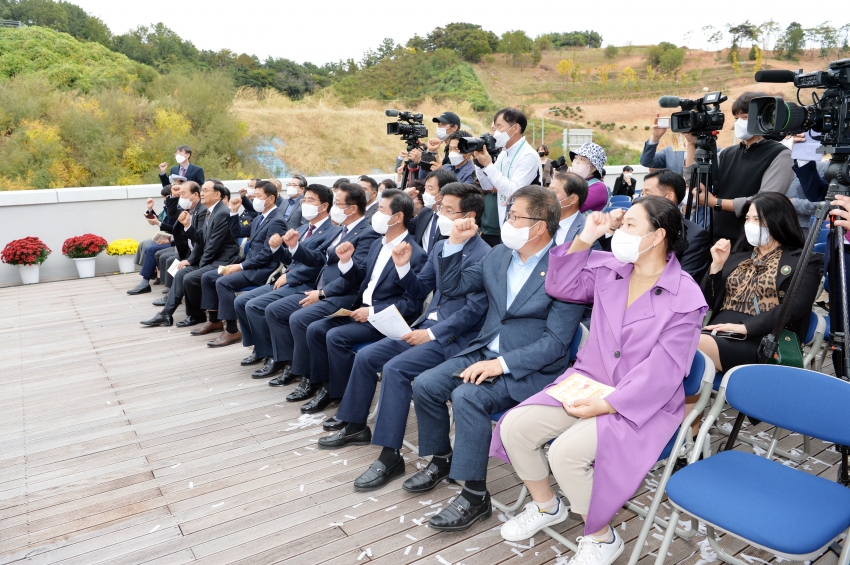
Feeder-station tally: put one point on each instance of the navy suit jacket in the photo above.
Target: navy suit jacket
(193, 172)
(420, 225)
(534, 333)
(388, 289)
(182, 236)
(458, 318)
(258, 263)
(298, 273)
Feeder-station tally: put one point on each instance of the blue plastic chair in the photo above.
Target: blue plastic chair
(623, 205)
(822, 235)
(620, 198)
(791, 513)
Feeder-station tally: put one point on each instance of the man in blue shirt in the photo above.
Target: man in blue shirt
(460, 163)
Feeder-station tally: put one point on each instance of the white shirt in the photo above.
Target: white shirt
(292, 249)
(563, 227)
(426, 237)
(515, 168)
(335, 241)
(384, 257)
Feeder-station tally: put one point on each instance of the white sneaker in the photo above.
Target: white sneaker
(532, 520)
(592, 552)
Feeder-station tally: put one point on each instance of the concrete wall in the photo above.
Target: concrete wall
(112, 212)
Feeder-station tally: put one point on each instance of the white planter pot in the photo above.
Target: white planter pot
(85, 267)
(29, 273)
(126, 263)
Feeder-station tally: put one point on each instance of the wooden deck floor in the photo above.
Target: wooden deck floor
(125, 444)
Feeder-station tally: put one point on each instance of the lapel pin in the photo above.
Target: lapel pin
(542, 273)
(786, 270)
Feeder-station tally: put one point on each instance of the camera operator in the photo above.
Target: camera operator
(753, 166)
(668, 158)
(447, 124)
(517, 166)
(459, 163)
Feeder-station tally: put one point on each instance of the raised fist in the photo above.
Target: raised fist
(720, 254)
(596, 225)
(235, 203)
(185, 219)
(163, 167)
(290, 238)
(462, 230)
(275, 240)
(149, 203)
(344, 251)
(402, 254)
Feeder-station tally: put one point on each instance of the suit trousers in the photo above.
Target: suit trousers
(164, 258)
(219, 292)
(149, 261)
(253, 319)
(192, 290)
(330, 341)
(471, 405)
(175, 295)
(398, 363)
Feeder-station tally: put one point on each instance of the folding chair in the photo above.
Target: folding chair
(620, 198)
(624, 205)
(814, 338)
(790, 513)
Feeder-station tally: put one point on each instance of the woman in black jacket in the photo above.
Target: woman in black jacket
(624, 185)
(745, 289)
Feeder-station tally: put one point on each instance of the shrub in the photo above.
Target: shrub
(83, 246)
(26, 251)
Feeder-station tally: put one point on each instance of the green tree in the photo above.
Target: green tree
(611, 51)
(655, 52)
(672, 60)
(44, 13)
(515, 44)
(157, 46)
(790, 44)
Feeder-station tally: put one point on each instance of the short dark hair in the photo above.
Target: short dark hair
(541, 204)
(339, 182)
(194, 188)
(166, 191)
(471, 198)
(218, 186)
(573, 184)
(628, 168)
(662, 213)
(741, 105)
(419, 185)
(268, 188)
(545, 148)
(512, 116)
(388, 183)
(325, 194)
(457, 135)
(400, 201)
(443, 177)
(185, 148)
(671, 181)
(777, 213)
(372, 182)
(354, 196)
(302, 182)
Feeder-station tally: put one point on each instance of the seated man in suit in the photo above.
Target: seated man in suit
(219, 289)
(311, 260)
(571, 192)
(295, 278)
(369, 185)
(377, 284)
(292, 200)
(183, 168)
(213, 245)
(443, 331)
(424, 225)
(522, 347)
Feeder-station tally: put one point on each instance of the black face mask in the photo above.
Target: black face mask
(541, 153)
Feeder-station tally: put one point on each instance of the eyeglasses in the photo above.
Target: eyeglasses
(512, 218)
(441, 209)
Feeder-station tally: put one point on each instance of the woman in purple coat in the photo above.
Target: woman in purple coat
(644, 332)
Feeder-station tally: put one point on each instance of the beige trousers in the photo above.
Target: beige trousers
(525, 432)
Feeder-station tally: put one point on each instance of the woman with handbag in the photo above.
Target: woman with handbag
(746, 286)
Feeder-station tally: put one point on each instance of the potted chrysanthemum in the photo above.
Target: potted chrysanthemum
(26, 254)
(83, 249)
(125, 251)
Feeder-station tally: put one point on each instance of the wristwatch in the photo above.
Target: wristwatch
(719, 204)
(321, 295)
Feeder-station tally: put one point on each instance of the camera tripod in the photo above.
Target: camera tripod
(704, 172)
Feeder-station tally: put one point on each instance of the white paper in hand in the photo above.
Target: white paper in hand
(172, 270)
(390, 323)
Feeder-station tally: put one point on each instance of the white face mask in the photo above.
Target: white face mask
(756, 235)
(455, 158)
(445, 225)
(259, 205)
(381, 222)
(626, 247)
(179, 158)
(627, 175)
(514, 238)
(502, 137)
(741, 130)
(291, 191)
(309, 211)
(429, 199)
(184, 203)
(581, 169)
(338, 215)
(442, 133)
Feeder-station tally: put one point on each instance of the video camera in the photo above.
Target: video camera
(829, 115)
(697, 116)
(409, 127)
(484, 143)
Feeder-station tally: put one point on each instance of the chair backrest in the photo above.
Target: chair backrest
(623, 205)
(822, 235)
(798, 400)
(817, 324)
(694, 378)
(579, 340)
(620, 198)
(820, 247)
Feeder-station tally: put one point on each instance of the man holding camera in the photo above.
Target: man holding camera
(447, 124)
(755, 165)
(668, 158)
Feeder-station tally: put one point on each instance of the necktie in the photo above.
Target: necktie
(432, 236)
(309, 232)
(183, 172)
(320, 285)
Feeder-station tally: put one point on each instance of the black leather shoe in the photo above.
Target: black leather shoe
(189, 321)
(139, 290)
(159, 320)
(377, 476)
(319, 402)
(252, 359)
(269, 368)
(333, 423)
(427, 478)
(461, 514)
(303, 391)
(339, 439)
(160, 301)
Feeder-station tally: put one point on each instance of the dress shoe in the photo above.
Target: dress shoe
(165, 290)
(378, 475)
(319, 402)
(461, 514)
(252, 359)
(269, 369)
(333, 423)
(159, 301)
(208, 328)
(225, 339)
(156, 282)
(189, 321)
(159, 320)
(285, 378)
(427, 478)
(139, 290)
(339, 439)
(303, 391)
